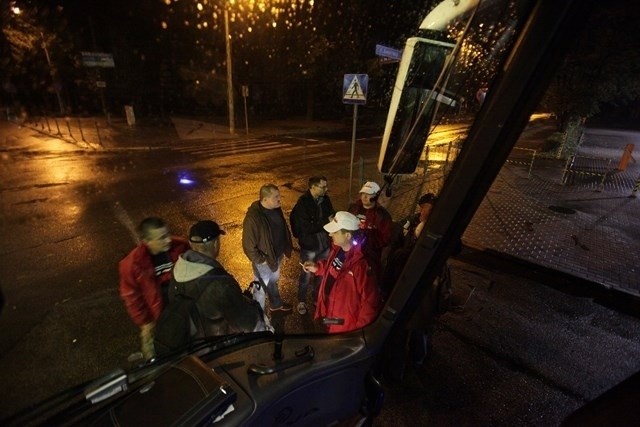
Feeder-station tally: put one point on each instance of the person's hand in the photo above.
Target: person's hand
(405, 228)
(310, 266)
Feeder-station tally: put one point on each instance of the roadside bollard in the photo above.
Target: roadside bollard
(57, 126)
(69, 126)
(99, 136)
(80, 128)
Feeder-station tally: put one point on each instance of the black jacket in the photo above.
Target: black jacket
(307, 220)
(222, 307)
(257, 242)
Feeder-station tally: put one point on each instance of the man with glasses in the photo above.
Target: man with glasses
(144, 277)
(312, 210)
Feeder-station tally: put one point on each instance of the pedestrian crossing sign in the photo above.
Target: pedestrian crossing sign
(354, 88)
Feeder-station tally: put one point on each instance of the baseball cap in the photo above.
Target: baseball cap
(204, 231)
(427, 198)
(370, 187)
(343, 221)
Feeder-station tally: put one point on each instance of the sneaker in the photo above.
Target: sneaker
(302, 308)
(283, 307)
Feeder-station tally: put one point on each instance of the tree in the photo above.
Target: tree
(603, 67)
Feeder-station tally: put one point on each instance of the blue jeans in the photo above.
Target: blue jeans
(307, 276)
(269, 278)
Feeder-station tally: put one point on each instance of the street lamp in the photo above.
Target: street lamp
(53, 74)
(232, 124)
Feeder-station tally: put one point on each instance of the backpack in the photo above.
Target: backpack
(173, 328)
(179, 318)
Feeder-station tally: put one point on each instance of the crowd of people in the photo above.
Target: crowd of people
(342, 259)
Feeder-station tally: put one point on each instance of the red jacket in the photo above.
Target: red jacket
(354, 296)
(377, 226)
(139, 286)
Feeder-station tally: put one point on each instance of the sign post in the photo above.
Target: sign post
(354, 91)
(389, 53)
(245, 93)
(99, 60)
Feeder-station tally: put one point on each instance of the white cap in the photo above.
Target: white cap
(370, 187)
(343, 221)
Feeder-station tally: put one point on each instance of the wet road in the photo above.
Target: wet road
(68, 216)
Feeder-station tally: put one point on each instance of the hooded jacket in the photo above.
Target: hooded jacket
(354, 298)
(222, 307)
(139, 286)
(308, 218)
(257, 242)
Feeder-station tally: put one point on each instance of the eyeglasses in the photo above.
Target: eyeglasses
(324, 187)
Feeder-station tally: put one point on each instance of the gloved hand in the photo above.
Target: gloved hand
(147, 334)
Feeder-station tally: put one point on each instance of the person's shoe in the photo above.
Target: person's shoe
(284, 307)
(302, 308)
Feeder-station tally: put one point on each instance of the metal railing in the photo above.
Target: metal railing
(581, 169)
(84, 132)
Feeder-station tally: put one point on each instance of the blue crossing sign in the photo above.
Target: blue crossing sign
(388, 52)
(354, 88)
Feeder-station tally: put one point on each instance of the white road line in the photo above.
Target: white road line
(231, 150)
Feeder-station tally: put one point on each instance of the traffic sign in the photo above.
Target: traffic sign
(388, 52)
(354, 88)
(97, 59)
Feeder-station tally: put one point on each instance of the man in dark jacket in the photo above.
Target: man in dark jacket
(145, 275)
(266, 240)
(220, 303)
(308, 216)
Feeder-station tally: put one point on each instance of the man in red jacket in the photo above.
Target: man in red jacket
(348, 297)
(145, 274)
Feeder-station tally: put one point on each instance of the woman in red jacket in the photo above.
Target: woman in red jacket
(348, 297)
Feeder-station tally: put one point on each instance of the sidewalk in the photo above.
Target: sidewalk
(584, 227)
(95, 134)
(579, 228)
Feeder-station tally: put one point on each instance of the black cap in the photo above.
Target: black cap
(204, 231)
(427, 198)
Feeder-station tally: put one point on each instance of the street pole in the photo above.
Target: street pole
(53, 75)
(232, 125)
(353, 148)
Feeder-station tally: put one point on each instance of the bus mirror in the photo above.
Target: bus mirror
(417, 95)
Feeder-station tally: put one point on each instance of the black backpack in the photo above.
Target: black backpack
(173, 328)
(179, 317)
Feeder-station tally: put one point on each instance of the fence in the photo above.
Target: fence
(523, 156)
(81, 131)
(584, 169)
(439, 159)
